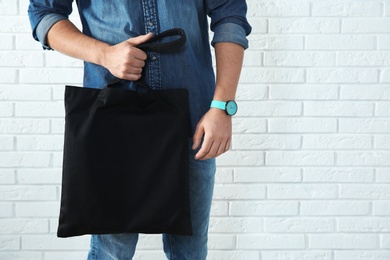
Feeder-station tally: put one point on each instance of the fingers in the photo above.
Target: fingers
(212, 148)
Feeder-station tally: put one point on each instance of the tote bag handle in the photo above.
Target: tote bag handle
(152, 45)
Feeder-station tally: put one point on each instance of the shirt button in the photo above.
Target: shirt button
(151, 23)
(153, 57)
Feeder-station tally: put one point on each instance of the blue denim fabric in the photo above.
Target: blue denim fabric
(116, 21)
(122, 246)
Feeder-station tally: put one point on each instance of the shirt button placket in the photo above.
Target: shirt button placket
(151, 25)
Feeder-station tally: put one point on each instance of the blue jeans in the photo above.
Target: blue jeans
(122, 246)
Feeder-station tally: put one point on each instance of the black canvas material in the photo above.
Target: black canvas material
(125, 165)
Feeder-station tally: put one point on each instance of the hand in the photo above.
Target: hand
(124, 60)
(216, 127)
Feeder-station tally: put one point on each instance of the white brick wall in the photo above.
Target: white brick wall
(308, 176)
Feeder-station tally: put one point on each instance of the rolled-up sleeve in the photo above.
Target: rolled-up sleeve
(228, 21)
(43, 14)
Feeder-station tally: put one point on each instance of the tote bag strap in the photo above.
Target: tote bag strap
(154, 45)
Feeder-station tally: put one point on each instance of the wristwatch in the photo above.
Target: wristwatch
(230, 107)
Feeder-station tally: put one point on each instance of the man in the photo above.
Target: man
(111, 32)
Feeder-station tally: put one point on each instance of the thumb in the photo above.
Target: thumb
(140, 39)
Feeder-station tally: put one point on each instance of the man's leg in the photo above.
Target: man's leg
(201, 191)
(113, 247)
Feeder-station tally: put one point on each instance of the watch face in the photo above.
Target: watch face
(231, 108)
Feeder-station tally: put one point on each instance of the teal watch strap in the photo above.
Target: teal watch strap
(218, 104)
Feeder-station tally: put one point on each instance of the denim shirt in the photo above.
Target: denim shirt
(115, 21)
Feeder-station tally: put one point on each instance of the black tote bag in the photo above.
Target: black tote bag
(125, 165)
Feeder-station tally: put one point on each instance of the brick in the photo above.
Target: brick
(360, 254)
(277, 8)
(263, 208)
(8, 7)
(251, 92)
(250, 125)
(24, 126)
(381, 208)
(57, 159)
(364, 59)
(14, 24)
(40, 143)
(37, 209)
(236, 225)
(384, 42)
(7, 176)
(385, 76)
(269, 108)
(24, 159)
(8, 75)
(340, 42)
(370, 191)
(21, 59)
(6, 109)
(29, 193)
(302, 125)
(383, 175)
(364, 125)
(74, 255)
(365, 92)
(382, 141)
(51, 75)
(364, 224)
(366, 25)
(150, 254)
(219, 208)
(24, 92)
(295, 158)
(270, 241)
(26, 42)
(326, 142)
(304, 25)
(221, 242)
(266, 174)
(302, 191)
(338, 109)
(55, 59)
(334, 208)
(306, 91)
(346, 9)
(342, 75)
(300, 225)
(232, 255)
(23, 255)
(296, 255)
(261, 142)
(259, 25)
(382, 109)
(57, 126)
(40, 109)
(253, 58)
(338, 175)
(276, 42)
(7, 42)
(239, 191)
(385, 242)
(49, 242)
(224, 175)
(6, 210)
(9, 243)
(299, 59)
(235, 158)
(6, 142)
(363, 158)
(272, 75)
(23, 226)
(343, 241)
(58, 92)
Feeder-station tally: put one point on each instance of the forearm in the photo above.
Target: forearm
(64, 37)
(229, 59)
